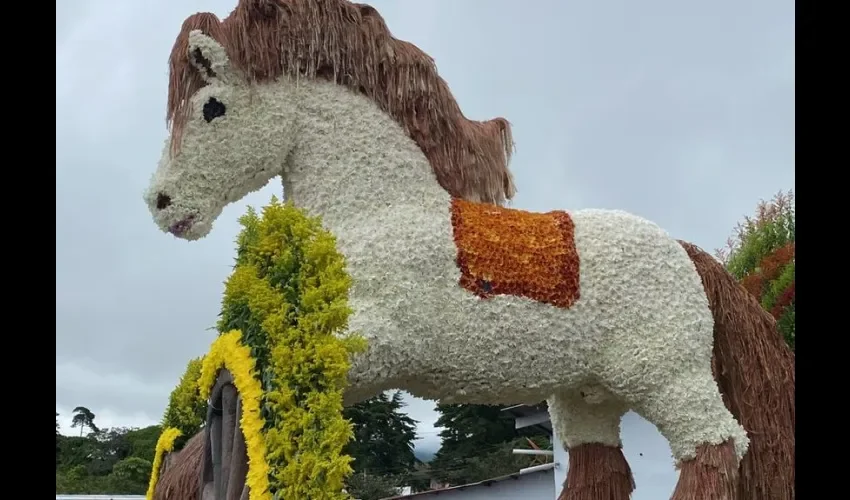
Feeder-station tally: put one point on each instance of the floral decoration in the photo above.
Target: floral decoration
(503, 251)
(164, 445)
(186, 409)
(228, 352)
(643, 318)
(288, 294)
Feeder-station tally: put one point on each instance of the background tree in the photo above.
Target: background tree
(119, 443)
(142, 442)
(58, 440)
(116, 460)
(419, 479)
(83, 418)
(76, 451)
(761, 254)
(132, 470)
(478, 441)
(383, 435)
(365, 486)
(499, 460)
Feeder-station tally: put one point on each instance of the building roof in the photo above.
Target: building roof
(486, 482)
(531, 415)
(526, 416)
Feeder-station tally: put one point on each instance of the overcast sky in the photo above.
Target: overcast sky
(681, 112)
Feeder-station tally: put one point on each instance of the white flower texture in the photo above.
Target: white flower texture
(639, 337)
(587, 415)
(189, 191)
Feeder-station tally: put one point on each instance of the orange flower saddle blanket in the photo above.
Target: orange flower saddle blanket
(504, 251)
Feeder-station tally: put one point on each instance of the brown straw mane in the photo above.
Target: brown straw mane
(350, 44)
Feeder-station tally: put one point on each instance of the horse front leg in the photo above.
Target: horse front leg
(587, 421)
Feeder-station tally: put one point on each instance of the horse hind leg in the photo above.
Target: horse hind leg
(587, 421)
(706, 440)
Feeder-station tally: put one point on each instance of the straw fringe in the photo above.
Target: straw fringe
(350, 44)
(181, 480)
(711, 475)
(754, 369)
(597, 472)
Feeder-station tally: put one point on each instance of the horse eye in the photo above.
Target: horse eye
(213, 109)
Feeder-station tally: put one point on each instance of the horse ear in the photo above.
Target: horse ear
(209, 57)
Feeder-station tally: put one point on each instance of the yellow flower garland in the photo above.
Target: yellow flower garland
(228, 352)
(291, 336)
(288, 295)
(164, 445)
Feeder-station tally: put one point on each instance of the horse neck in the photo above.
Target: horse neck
(353, 159)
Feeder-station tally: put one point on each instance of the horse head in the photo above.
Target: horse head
(231, 140)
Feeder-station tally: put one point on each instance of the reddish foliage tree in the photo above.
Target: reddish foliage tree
(762, 255)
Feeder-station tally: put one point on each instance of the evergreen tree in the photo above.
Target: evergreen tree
(477, 443)
(468, 429)
(364, 486)
(383, 436)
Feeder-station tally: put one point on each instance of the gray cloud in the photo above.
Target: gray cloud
(679, 112)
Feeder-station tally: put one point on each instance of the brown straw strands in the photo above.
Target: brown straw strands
(350, 44)
(597, 472)
(754, 369)
(711, 475)
(181, 479)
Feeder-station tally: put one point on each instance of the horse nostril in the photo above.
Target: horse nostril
(162, 201)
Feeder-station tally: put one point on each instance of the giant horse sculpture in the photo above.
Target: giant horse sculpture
(462, 299)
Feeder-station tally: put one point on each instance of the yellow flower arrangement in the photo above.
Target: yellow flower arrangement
(186, 409)
(228, 352)
(289, 296)
(165, 444)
